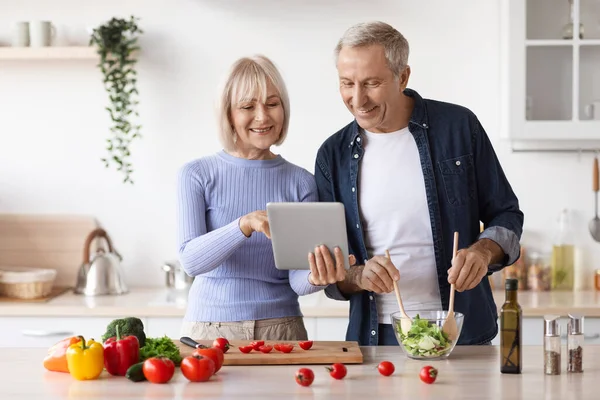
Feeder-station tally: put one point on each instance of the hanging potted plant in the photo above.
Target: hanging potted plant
(116, 42)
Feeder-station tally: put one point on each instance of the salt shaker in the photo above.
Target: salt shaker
(575, 341)
(551, 345)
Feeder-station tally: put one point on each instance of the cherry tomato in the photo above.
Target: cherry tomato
(158, 369)
(305, 376)
(276, 346)
(337, 371)
(266, 349)
(246, 349)
(306, 344)
(386, 368)
(214, 353)
(222, 344)
(197, 368)
(428, 374)
(286, 348)
(256, 345)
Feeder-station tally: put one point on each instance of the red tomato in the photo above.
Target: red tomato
(306, 344)
(276, 346)
(337, 371)
(286, 348)
(428, 374)
(197, 368)
(246, 349)
(386, 368)
(256, 345)
(222, 344)
(266, 349)
(214, 353)
(305, 376)
(158, 369)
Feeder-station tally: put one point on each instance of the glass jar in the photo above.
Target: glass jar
(551, 345)
(597, 279)
(575, 341)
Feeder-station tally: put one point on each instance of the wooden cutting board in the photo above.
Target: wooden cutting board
(321, 352)
(45, 241)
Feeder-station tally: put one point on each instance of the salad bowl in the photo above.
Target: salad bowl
(426, 340)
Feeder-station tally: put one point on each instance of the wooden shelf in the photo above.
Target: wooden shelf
(48, 53)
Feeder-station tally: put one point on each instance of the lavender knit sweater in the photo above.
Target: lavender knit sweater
(235, 276)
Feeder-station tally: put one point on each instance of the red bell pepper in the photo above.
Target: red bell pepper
(120, 353)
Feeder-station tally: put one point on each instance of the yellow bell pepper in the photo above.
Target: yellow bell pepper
(85, 360)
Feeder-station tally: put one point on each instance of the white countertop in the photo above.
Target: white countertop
(160, 302)
(470, 373)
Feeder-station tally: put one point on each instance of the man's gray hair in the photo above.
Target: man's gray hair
(394, 43)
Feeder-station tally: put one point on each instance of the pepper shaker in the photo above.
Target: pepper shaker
(552, 345)
(575, 341)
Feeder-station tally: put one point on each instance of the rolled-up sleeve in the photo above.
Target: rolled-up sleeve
(507, 240)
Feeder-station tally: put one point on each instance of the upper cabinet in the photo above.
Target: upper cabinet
(551, 73)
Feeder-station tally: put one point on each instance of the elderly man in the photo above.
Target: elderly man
(410, 172)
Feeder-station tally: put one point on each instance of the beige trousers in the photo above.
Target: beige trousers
(288, 328)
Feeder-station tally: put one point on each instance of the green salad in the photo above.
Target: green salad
(424, 339)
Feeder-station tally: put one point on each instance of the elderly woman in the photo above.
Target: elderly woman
(223, 229)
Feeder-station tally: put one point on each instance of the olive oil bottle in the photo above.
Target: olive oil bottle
(511, 356)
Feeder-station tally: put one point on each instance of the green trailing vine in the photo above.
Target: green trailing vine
(116, 42)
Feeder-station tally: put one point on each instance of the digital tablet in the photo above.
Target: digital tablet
(297, 228)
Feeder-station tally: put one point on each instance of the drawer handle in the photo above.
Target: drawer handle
(586, 337)
(29, 332)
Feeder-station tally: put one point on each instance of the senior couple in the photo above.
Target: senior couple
(409, 172)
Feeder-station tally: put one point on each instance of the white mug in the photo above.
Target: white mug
(41, 33)
(20, 36)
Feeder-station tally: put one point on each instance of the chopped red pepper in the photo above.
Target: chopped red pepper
(120, 353)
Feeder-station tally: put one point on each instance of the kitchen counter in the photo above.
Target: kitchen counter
(470, 373)
(158, 302)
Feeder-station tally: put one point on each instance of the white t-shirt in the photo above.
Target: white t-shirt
(395, 216)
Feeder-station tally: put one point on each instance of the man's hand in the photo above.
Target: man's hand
(470, 265)
(324, 270)
(256, 221)
(377, 275)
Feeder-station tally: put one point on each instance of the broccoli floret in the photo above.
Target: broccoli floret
(127, 326)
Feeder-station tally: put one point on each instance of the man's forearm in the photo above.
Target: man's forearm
(491, 248)
(350, 284)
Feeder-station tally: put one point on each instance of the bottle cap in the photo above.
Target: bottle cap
(551, 325)
(575, 325)
(511, 284)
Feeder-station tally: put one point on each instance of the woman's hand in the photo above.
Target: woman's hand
(324, 270)
(256, 221)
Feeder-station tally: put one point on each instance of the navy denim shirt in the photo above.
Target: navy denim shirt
(464, 184)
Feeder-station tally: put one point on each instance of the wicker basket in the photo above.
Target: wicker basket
(26, 283)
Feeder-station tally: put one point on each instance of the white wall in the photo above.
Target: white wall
(53, 124)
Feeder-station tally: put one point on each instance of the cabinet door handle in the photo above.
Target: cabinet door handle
(31, 332)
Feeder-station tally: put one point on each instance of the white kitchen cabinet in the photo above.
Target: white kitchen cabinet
(46, 331)
(331, 328)
(550, 84)
(533, 331)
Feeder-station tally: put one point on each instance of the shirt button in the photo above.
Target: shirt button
(458, 163)
(353, 189)
(356, 156)
(373, 333)
(358, 139)
(351, 143)
(357, 226)
(424, 125)
(366, 260)
(371, 298)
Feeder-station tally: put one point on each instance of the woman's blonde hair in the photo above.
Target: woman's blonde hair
(247, 79)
